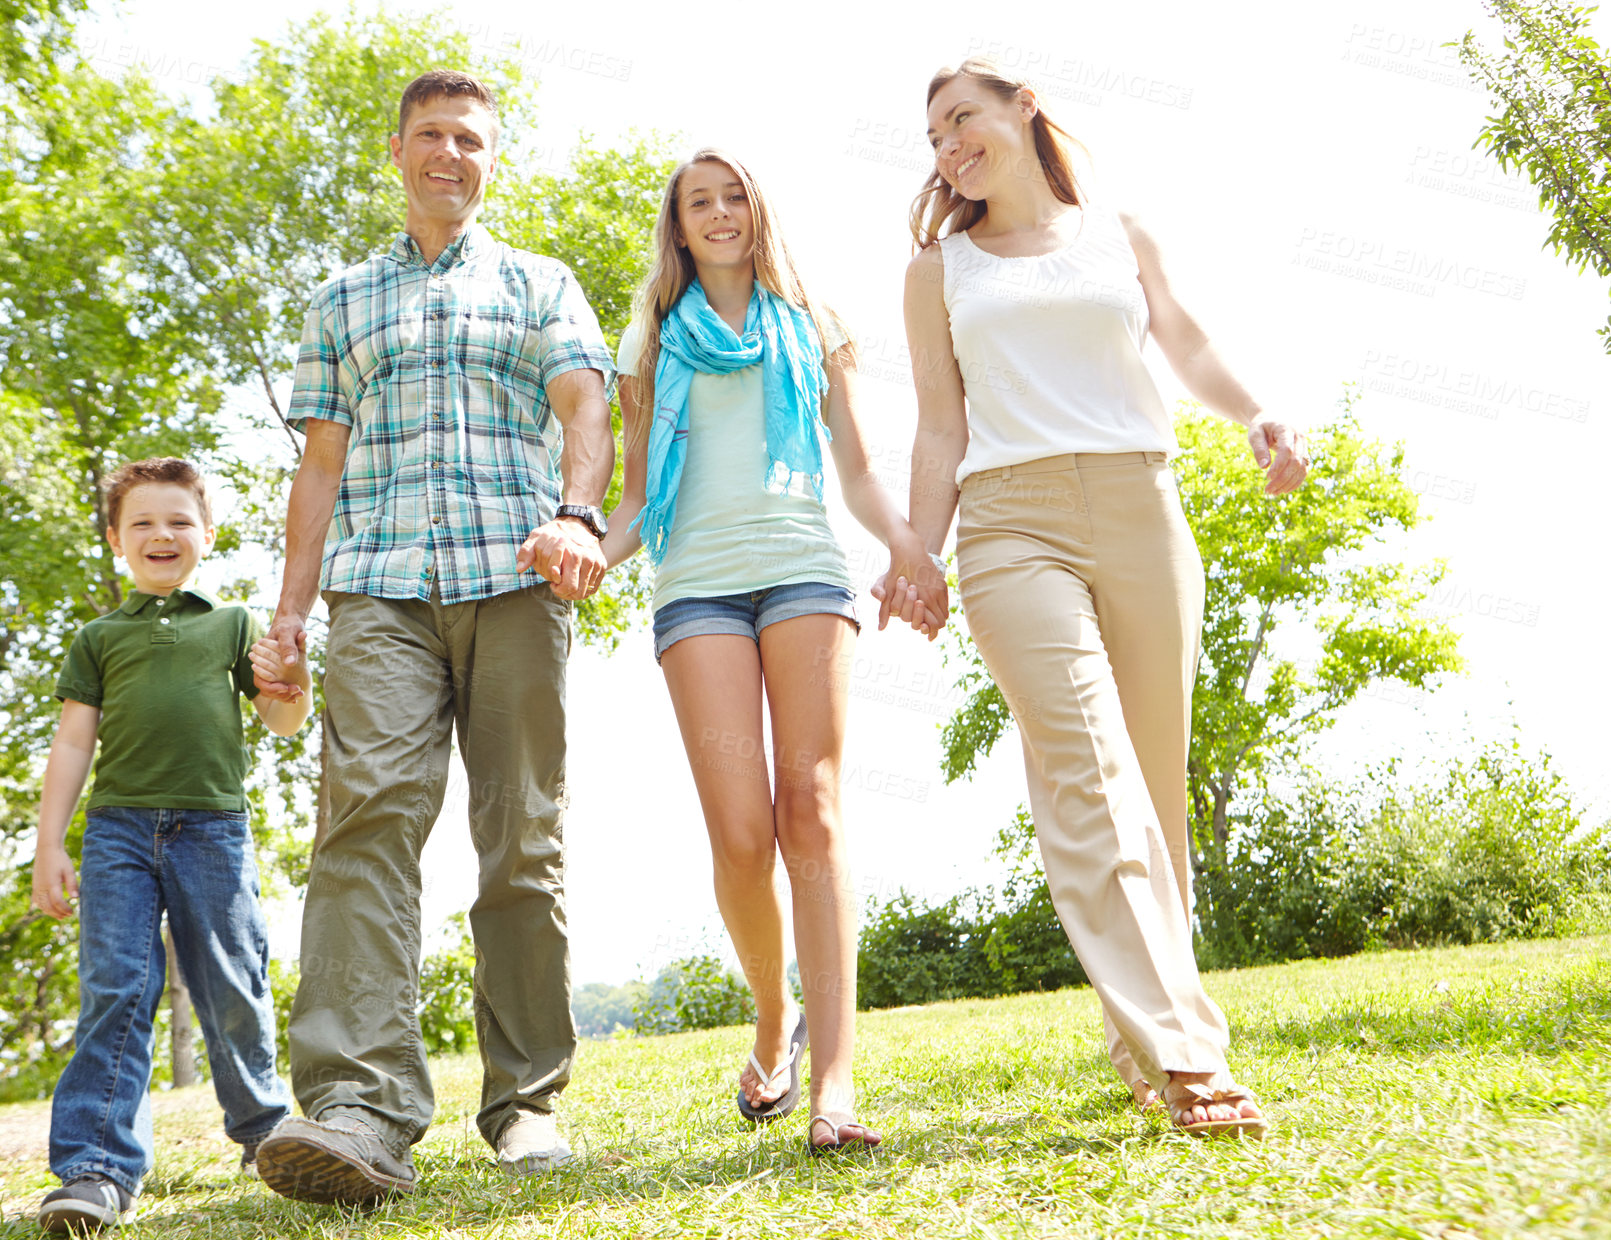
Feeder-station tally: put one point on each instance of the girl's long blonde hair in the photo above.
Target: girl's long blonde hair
(673, 271)
(939, 210)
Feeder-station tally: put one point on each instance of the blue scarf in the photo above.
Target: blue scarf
(695, 339)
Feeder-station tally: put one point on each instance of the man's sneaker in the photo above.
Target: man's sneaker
(339, 1160)
(87, 1203)
(532, 1144)
(249, 1160)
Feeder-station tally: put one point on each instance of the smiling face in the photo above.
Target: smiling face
(162, 534)
(977, 135)
(714, 220)
(446, 154)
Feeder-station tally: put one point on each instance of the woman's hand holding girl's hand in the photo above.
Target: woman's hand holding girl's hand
(914, 589)
(1281, 451)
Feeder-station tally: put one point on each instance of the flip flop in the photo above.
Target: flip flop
(786, 1102)
(867, 1140)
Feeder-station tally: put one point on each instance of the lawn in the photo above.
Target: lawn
(1452, 1094)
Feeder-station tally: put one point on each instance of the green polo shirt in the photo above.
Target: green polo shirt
(166, 675)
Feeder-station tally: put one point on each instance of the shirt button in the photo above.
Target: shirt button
(436, 361)
(434, 521)
(164, 620)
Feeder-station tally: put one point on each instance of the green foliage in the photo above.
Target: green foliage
(1315, 561)
(1491, 850)
(447, 992)
(601, 1010)
(1552, 84)
(283, 979)
(158, 256)
(32, 34)
(696, 992)
(38, 987)
(977, 944)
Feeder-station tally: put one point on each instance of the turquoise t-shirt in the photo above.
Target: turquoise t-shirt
(731, 535)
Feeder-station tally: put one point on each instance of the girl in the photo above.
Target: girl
(724, 374)
(1026, 310)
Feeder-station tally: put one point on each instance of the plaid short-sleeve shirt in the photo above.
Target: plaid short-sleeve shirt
(441, 370)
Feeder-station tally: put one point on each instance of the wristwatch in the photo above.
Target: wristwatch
(588, 515)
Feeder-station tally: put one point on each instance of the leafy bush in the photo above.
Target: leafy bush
(974, 945)
(601, 1010)
(696, 992)
(1494, 849)
(447, 993)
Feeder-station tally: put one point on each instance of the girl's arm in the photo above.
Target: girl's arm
(1277, 445)
(621, 543)
(868, 502)
(71, 755)
(937, 448)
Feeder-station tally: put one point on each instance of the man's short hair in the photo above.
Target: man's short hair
(449, 82)
(125, 478)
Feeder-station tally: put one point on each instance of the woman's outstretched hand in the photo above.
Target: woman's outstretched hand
(1281, 451)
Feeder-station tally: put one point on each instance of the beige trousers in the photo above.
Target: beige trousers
(1083, 590)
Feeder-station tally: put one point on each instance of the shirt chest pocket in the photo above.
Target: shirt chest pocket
(497, 342)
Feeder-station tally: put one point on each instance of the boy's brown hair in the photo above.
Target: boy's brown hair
(125, 478)
(450, 82)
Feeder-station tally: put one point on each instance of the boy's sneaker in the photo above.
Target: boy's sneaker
(87, 1203)
(340, 1160)
(249, 1160)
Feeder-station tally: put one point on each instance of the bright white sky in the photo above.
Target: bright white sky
(1297, 163)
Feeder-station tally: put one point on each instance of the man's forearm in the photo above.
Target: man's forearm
(307, 520)
(588, 458)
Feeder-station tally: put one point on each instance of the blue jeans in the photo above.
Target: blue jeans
(198, 865)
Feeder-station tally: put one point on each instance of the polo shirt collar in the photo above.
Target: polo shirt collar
(406, 251)
(137, 600)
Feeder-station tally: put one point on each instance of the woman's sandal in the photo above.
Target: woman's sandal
(861, 1135)
(1181, 1096)
(790, 1067)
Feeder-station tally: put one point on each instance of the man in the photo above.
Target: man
(433, 383)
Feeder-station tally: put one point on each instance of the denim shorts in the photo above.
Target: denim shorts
(745, 615)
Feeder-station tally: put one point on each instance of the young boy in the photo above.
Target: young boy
(157, 682)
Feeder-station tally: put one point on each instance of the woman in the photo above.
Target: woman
(726, 372)
(1026, 310)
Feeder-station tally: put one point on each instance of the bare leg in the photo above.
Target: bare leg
(715, 685)
(802, 661)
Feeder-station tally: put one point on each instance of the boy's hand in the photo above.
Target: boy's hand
(53, 873)
(270, 671)
(282, 673)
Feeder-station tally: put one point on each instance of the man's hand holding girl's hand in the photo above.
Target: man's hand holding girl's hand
(567, 555)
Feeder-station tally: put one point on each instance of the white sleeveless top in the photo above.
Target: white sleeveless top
(1050, 349)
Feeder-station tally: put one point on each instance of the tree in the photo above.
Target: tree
(32, 34)
(1311, 565)
(1552, 85)
(154, 272)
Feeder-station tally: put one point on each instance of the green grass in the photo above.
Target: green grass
(1443, 1094)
